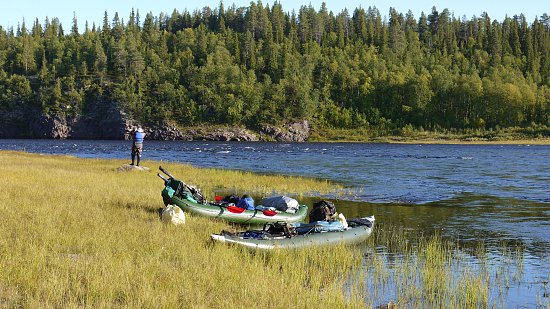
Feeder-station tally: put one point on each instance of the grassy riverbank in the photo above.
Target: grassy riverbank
(75, 232)
(521, 136)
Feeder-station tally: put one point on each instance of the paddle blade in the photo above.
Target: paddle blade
(218, 198)
(269, 212)
(235, 209)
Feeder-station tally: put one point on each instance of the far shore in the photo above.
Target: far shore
(543, 141)
(506, 136)
(406, 140)
(435, 141)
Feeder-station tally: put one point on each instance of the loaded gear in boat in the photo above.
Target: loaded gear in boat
(323, 211)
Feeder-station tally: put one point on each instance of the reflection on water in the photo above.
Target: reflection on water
(474, 195)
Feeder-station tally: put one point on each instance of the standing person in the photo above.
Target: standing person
(137, 146)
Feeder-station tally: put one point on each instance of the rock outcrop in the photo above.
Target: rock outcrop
(223, 134)
(14, 124)
(102, 120)
(291, 132)
(106, 120)
(166, 132)
(130, 168)
(51, 127)
(110, 123)
(169, 132)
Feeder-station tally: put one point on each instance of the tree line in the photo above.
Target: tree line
(260, 64)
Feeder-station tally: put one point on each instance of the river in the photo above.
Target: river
(473, 193)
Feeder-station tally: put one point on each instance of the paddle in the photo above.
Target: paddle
(163, 178)
(196, 193)
(165, 172)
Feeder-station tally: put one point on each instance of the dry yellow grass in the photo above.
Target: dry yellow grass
(77, 233)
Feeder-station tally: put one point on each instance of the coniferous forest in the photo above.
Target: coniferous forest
(260, 64)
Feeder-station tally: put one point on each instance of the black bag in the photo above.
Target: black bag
(231, 199)
(322, 211)
(280, 229)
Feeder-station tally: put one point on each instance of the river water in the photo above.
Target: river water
(472, 193)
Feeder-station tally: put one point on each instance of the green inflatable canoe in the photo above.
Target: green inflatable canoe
(190, 200)
(358, 230)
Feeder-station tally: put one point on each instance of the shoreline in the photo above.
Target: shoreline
(507, 136)
(544, 141)
(436, 141)
(378, 140)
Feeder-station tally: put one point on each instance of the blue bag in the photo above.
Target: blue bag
(246, 202)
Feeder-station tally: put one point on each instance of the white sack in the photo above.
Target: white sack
(173, 214)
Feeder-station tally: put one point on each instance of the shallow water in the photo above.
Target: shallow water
(469, 193)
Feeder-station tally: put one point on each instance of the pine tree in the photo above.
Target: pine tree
(256, 64)
(74, 29)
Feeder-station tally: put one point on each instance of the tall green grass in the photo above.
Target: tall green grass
(77, 233)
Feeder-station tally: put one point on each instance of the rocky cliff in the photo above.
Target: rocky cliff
(105, 120)
(291, 132)
(102, 120)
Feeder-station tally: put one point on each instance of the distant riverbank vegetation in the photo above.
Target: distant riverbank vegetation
(534, 134)
(356, 70)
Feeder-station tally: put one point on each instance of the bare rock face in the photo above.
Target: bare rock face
(219, 134)
(104, 119)
(21, 123)
(291, 132)
(166, 132)
(51, 127)
(14, 124)
(228, 134)
(169, 132)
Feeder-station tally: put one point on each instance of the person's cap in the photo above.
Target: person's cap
(140, 129)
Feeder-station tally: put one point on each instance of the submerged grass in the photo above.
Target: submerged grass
(77, 233)
(433, 272)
